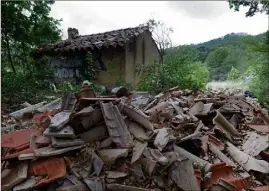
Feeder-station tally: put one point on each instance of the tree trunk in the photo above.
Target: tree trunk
(9, 54)
(25, 56)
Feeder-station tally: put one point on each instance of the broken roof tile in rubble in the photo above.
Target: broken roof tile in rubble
(255, 144)
(163, 137)
(183, 153)
(66, 132)
(119, 187)
(53, 168)
(14, 176)
(95, 184)
(142, 165)
(221, 122)
(63, 143)
(259, 127)
(138, 150)
(59, 120)
(110, 155)
(182, 173)
(214, 149)
(138, 131)
(247, 161)
(136, 115)
(117, 128)
(18, 138)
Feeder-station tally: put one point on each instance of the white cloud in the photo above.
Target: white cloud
(192, 21)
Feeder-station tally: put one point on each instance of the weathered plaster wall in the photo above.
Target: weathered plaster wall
(140, 52)
(114, 60)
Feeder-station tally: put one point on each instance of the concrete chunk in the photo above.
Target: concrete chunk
(27, 184)
(116, 126)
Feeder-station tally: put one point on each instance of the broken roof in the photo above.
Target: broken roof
(115, 38)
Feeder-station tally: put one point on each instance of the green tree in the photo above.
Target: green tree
(26, 25)
(253, 5)
(234, 74)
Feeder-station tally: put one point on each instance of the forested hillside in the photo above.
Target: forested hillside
(221, 54)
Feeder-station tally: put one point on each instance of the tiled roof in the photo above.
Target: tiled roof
(94, 41)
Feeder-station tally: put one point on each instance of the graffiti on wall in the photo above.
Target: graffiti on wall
(66, 68)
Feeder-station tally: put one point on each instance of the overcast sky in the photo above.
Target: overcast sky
(192, 21)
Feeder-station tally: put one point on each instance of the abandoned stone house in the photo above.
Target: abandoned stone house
(117, 55)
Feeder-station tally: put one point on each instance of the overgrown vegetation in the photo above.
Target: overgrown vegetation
(27, 25)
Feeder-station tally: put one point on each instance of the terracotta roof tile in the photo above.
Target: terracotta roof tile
(94, 41)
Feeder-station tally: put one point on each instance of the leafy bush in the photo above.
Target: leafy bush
(29, 85)
(234, 74)
(176, 71)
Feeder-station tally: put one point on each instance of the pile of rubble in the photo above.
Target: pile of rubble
(177, 140)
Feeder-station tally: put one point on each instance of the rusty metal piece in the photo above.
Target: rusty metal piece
(182, 173)
(43, 119)
(246, 161)
(14, 176)
(117, 128)
(255, 144)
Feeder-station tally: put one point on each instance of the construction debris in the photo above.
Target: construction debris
(177, 140)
